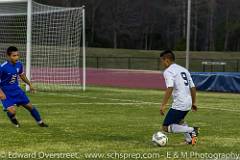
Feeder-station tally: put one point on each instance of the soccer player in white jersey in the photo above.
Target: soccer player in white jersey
(180, 85)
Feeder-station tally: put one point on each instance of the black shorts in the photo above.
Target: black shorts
(174, 117)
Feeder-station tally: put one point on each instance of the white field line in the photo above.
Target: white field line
(121, 102)
(221, 109)
(124, 104)
(92, 97)
(132, 102)
(95, 103)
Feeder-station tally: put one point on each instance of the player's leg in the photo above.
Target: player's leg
(187, 136)
(24, 101)
(172, 124)
(35, 114)
(8, 106)
(11, 113)
(190, 137)
(167, 121)
(172, 120)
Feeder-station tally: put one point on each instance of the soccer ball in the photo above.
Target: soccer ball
(159, 139)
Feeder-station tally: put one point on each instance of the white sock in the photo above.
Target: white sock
(187, 136)
(176, 128)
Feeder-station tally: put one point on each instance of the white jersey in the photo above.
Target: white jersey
(180, 79)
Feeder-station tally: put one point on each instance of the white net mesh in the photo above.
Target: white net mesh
(13, 27)
(56, 52)
(56, 56)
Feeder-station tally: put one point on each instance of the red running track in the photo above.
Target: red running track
(126, 78)
(101, 77)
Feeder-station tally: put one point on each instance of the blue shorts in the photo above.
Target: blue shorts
(14, 97)
(174, 117)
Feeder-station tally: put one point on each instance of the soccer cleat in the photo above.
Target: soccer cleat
(194, 135)
(194, 140)
(15, 122)
(43, 125)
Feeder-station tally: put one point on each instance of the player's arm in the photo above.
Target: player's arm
(193, 93)
(2, 94)
(166, 97)
(25, 80)
(169, 80)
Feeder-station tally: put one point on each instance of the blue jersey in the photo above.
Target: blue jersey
(9, 84)
(9, 75)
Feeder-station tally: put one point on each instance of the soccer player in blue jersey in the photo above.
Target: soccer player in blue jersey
(11, 94)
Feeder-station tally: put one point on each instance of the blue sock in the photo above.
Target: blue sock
(34, 112)
(12, 118)
(10, 115)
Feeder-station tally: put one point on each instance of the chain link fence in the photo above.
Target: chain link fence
(148, 63)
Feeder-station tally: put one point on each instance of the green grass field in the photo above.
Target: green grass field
(110, 52)
(109, 120)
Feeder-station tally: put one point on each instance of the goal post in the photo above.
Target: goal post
(29, 42)
(13, 1)
(84, 48)
(51, 41)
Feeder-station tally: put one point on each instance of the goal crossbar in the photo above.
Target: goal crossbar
(13, 1)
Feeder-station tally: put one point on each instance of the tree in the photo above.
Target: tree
(93, 6)
(212, 6)
(159, 24)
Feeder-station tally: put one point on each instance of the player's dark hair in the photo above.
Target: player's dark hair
(168, 54)
(11, 49)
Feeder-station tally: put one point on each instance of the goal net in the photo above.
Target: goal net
(52, 39)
